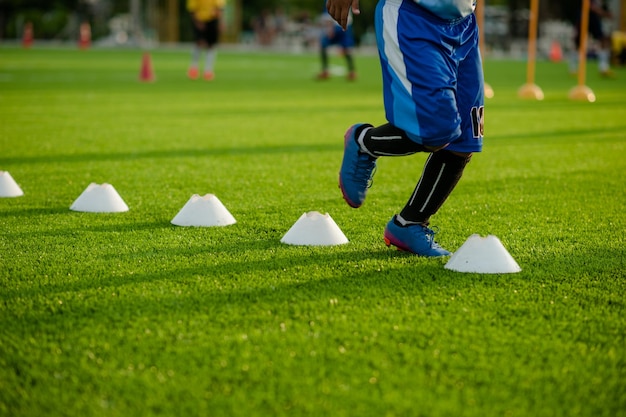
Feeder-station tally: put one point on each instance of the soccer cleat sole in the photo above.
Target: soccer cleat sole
(391, 241)
(346, 199)
(395, 244)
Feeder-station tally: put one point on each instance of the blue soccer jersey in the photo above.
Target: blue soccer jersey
(433, 85)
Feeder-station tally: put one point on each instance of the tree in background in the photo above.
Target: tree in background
(59, 19)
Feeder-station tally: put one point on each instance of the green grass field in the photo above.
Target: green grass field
(127, 315)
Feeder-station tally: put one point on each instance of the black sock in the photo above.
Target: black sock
(324, 58)
(388, 140)
(442, 171)
(350, 62)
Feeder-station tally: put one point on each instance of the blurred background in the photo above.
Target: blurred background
(280, 24)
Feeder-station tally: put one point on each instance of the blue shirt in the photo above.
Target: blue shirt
(448, 9)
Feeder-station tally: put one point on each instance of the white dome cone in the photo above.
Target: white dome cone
(203, 211)
(8, 186)
(99, 199)
(314, 229)
(483, 255)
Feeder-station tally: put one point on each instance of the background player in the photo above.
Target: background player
(333, 34)
(597, 13)
(206, 16)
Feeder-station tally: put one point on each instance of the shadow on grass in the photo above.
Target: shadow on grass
(574, 132)
(179, 294)
(173, 153)
(29, 212)
(263, 263)
(247, 150)
(56, 218)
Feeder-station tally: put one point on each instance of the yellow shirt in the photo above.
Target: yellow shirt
(205, 10)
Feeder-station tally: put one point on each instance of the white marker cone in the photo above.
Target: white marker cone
(205, 211)
(314, 229)
(8, 186)
(99, 199)
(483, 255)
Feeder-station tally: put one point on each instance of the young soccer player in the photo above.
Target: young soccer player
(206, 16)
(433, 94)
(597, 13)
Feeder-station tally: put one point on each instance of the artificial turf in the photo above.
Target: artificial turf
(125, 314)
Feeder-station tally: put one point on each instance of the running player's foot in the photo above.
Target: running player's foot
(193, 73)
(351, 76)
(357, 169)
(209, 75)
(324, 75)
(414, 238)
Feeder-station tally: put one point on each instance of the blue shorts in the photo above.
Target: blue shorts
(340, 37)
(433, 83)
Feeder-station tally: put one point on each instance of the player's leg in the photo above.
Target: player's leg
(604, 52)
(357, 166)
(347, 43)
(362, 142)
(573, 55)
(325, 42)
(407, 90)
(444, 168)
(387, 140)
(363, 145)
(211, 38)
(457, 86)
(347, 52)
(193, 71)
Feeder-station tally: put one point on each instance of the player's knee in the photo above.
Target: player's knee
(442, 137)
(460, 158)
(435, 148)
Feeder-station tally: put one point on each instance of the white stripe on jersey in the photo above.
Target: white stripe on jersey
(449, 9)
(392, 47)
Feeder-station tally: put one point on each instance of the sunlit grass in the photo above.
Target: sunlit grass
(127, 315)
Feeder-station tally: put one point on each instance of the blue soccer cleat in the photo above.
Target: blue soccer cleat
(357, 169)
(415, 238)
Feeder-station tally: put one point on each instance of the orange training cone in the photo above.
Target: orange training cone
(556, 53)
(28, 35)
(84, 39)
(146, 74)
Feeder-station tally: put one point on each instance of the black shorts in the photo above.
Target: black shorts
(209, 33)
(595, 28)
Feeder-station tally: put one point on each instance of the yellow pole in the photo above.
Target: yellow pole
(532, 42)
(530, 90)
(582, 49)
(172, 21)
(480, 18)
(581, 91)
